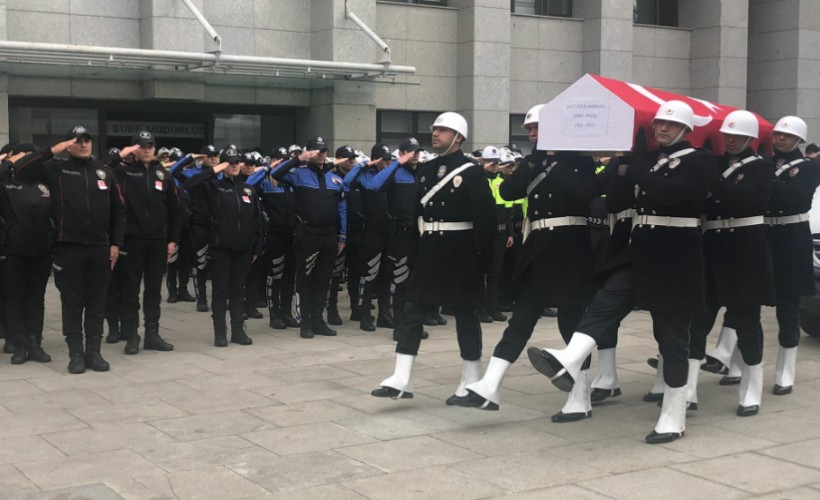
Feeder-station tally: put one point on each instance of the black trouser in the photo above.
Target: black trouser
(25, 279)
(179, 264)
(255, 280)
(3, 326)
(229, 270)
(788, 320)
(468, 330)
(82, 273)
(337, 276)
(744, 319)
(400, 249)
(281, 272)
(200, 238)
(376, 275)
(145, 260)
(315, 251)
(494, 273)
(526, 313)
(113, 297)
(353, 266)
(615, 300)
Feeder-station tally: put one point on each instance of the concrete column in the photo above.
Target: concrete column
(607, 37)
(719, 48)
(4, 84)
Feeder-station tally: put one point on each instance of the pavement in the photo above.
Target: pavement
(293, 418)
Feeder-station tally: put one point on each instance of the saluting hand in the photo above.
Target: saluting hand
(62, 146)
(406, 157)
(222, 166)
(308, 155)
(126, 151)
(114, 254)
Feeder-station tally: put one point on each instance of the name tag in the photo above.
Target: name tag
(246, 199)
(158, 185)
(102, 185)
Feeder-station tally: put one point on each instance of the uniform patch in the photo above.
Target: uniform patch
(457, 180)
(102, 185)
(738, 178)
(794, 171)
(247, 191)
(441, 171)
(674, 162)
(160, 175)
(336, 181)
(733, 161)
(246, 199)
(44, 189)
(158, 185)
(422, 179)
(101, 174)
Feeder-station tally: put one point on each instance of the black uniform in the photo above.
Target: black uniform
(738, 259)
(796, 180)
(450, 265)
(236, 239)
(90, 215)
(504, 230)
(27, 246)
(153, 218)
(555, 264)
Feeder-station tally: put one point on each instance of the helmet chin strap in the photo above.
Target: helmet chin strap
(679, 137)
(450, 147)
(746, 144)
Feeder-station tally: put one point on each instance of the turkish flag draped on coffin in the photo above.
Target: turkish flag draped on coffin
(598, 114)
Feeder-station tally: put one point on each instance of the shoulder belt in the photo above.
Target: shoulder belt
(789, 165)
(443, 182)
(739, 164)
(677, 154)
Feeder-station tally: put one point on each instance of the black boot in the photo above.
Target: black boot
(366, 323)
(238, 335)
(153, 342)
(36, 352)
(20, 354)
(132, 344)
(93, 358)
(498, 316)
(320, 328)
(252, 312)
(8, 346)
(483, 317)
(385, 320)
(290, 321)
(76, 355)
(306, 330)
(184, 296)
(220, 336)
(113, 332)
(276, 320)
(333, 317)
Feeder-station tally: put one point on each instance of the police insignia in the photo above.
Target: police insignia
(422, 179)
(674, 162)
(457, 181)
(441, 171)
(248, 191)
(336, 181)
(44, 189)
(160, 175)
(738, 178)
(780, 163)
(733, 161)
(794, 171)
(101, 174)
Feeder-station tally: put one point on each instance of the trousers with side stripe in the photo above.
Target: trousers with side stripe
(400, 256)
(280, 271)
(200, 238)
(315, 251)
(375, 269)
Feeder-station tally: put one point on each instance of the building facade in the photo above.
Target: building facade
(268, 82)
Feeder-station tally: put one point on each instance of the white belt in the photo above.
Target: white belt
(664, 220)
(552, 222)
(788, 219)
(446, 226)
(710, 225)
(625, 214)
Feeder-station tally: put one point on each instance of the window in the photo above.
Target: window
(557, 8)
(392, 127)
(517, 135)
(244, 131)
(656, 12)
(440, 3)
(48, 126)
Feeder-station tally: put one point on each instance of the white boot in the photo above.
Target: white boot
(692, 384)
(723, 350)
(658, 388)
(578, 405)
(606, 384)
(562, 366)
(751, 389)
(784, 371)
(486, 393)
(672, 422)
(400, 384)
(735, 373)
(470, 373)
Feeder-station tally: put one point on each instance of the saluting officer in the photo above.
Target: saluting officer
(738, 258)
(796, 180)
(153, 219)
(90, 214)
(502, 240)
(555, 263)
(666, 274)
(320, 235)
(457, 223)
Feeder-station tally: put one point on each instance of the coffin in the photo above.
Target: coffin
(602, 115)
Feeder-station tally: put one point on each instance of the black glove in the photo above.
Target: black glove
(707, 144)
(640, 149)
(761, 150)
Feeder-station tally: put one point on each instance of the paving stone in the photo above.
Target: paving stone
(214, 482)
(308, 412)
(563, 491)
(107, 414)
(191, 455)
(199, 402)
(631, 456)
(88, 491)
(105, 438)
(752, 472)
(55, 401)
(793, 494)
(14, 483)
(651, 484)
(501, 439)
(307, 391)
(804, 452)
(328, 492)
(118, 465)
(783, 427)
(708, 441)
(23, 424)
(307, 438)
(398, 424)
(408, 453)
(16, 449)
(435, 482)
(170, 391)
(211, 425)
(18, 389)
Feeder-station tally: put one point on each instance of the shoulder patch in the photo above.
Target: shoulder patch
(101, 174)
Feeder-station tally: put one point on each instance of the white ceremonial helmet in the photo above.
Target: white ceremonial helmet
(531, 118)
(741, 122)
(490, 153)
(793, 125)
(678, 112)
(453, 121)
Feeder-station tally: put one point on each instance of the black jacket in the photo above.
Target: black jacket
(89, 205)
(234, 208)
(28, 227)
(153, 207)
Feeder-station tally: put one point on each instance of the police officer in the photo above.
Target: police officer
(235, 243)
(179, 263)
(663, 271)
(255, 285)
(153, 218)
(113, 296)
(90, 216)
(796, 180)
(503, 237)
(320, 235)
(28, 228)
(457, 224)
(555, 263)
(738, 258)
(347, 265)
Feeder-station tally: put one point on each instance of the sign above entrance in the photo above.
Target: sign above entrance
(160, 130)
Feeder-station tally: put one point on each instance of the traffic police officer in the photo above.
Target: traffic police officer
(457, 224)
(502, 240)
(90, 214)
